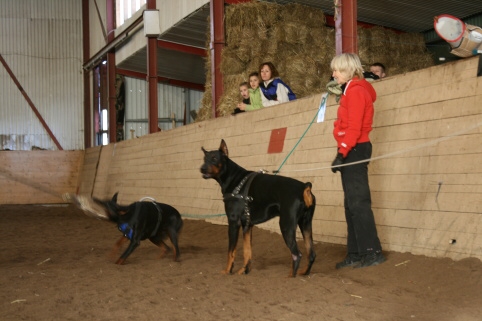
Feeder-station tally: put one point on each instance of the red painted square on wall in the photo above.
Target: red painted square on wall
(277, 140)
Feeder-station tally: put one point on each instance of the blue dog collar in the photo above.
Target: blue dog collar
(126, 230)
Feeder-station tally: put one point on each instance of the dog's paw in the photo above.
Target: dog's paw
(243, 270)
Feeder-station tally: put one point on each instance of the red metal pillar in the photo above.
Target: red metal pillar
(346, 26)
(110, 17)
(216, 47)
(86, 57)
(152, 76)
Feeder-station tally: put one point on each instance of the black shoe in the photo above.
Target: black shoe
(350, 260)
(372, 259)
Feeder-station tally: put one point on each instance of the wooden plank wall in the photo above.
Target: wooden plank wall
(38, 177)
(425, 175)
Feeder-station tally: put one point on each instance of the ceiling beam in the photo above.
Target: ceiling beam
(164, 80)
(181, 48)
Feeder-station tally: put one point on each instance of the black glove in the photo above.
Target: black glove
(338, 161)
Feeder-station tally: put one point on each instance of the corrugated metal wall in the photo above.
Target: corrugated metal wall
(172, 101)
(41, 41)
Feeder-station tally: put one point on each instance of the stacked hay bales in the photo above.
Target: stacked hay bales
(399, 52)
(297, 41)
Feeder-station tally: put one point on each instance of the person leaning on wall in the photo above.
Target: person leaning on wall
(274, 90)
(351, 132)
(254, 102)
(378, 69)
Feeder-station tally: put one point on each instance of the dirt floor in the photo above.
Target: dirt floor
(55, 265)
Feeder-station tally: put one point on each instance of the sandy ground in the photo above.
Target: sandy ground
(55, 265)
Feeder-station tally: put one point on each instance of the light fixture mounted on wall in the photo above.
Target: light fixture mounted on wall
(151, 23)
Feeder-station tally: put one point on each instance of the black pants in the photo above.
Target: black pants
(362, 232)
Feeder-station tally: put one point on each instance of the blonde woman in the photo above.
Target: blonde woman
(351, 132)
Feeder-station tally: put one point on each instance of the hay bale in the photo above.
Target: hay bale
(295, 33)
(230, 63)
(378, 38)
(303, 15)
(296, 40)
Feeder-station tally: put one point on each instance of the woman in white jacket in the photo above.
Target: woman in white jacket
(274, 90)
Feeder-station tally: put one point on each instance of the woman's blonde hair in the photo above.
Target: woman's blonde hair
(348, 64)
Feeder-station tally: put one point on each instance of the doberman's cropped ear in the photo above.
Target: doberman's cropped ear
(114, 198)
(204, 151)
(224, 148)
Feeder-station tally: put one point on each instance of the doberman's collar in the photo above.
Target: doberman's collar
(247, 199)
(128, 231)
(246, 180)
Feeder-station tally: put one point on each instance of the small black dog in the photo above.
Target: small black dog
(144, 220)
(251, 198)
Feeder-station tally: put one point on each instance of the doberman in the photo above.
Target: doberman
(252, 198)
(144, 220)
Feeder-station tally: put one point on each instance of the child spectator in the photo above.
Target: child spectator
(274, 90)
(378, 69)
(254, 94)
(244, 91)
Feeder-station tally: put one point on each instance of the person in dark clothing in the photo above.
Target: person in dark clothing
(351, 131)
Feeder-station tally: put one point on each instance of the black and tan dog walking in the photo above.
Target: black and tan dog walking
(252, 198)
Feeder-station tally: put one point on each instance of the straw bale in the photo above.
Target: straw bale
(318, 36)
(230, 63)
(303, 15)
(268, 14)
(295, 33)
(296, 40)
(277, 33)
(379, 38)
(364, 37)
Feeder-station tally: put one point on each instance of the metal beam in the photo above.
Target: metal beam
(30, 102)
(123, 36)
(216, 47)
(346, 26)
(181, 48)
(85, 54)
(164, 80)
(152, 76)
(110, 9)
(349, 26)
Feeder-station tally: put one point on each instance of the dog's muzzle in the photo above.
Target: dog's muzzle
(205, 171)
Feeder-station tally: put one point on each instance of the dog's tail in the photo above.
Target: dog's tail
(308, 197)
(91, 207)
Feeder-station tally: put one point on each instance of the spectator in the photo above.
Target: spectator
(244, 91)
(378, 69)
(274, 90)
(351, 131)
(254, 94)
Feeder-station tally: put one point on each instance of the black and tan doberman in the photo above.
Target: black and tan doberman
(252, 198)
(144, 220)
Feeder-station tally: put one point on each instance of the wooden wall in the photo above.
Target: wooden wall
(425, 174)
(38, 177)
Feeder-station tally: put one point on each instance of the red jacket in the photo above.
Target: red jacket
(355, 115)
